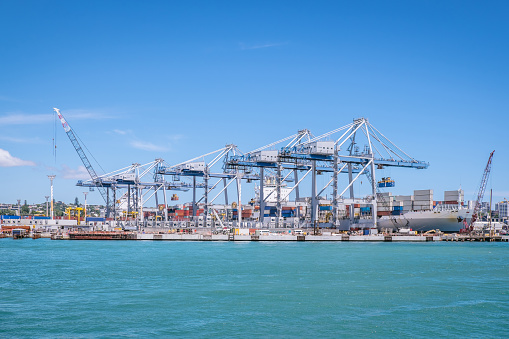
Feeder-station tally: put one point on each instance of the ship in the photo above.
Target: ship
(446, 218)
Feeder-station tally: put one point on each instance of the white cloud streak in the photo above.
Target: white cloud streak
(80, 173)
(33, 119)
(147, 146)
(24, 119)
(21, 140)
(7, 160)
(121, 132)
(6, 98)
(268, 45)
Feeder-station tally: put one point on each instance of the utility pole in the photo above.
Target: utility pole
(51, 177)
(47, 197)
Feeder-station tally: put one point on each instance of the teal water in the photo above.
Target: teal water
(209, 289)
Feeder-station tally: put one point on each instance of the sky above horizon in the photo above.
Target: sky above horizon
(165, 79)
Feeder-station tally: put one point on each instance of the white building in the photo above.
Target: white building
(502, 208)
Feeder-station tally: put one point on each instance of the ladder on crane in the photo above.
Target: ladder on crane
(70, 133)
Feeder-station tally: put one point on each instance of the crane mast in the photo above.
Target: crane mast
(83, 157)
(482, 188)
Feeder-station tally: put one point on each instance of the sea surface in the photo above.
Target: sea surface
(90, 289)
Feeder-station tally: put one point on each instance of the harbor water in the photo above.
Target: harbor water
(252, 289)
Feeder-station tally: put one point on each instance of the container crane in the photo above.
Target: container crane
(480, 194)
(84, 159)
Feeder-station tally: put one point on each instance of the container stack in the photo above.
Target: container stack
(365, 210)
(423, 200)
(407, 200)
(453, 197)
(397, 208)
(384, 203)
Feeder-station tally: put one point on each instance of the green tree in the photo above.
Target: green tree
(25, 210)
(76, 202)
(7, 212)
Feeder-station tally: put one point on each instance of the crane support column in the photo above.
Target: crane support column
(262, 198)
(297, 193)
(194, 196)
(314, 204)
(239, 196)
(165, 204)
(114, 206)
(206, 182)
(350, 180)
(278, 194)
(128, 200)
(373, 190)
(108, 202)
(225, 192)
(335, 189)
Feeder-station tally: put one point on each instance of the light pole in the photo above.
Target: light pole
(51, 177)
(85, 207)
(47, 197)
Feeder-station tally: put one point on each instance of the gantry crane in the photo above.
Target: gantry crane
(325, 154)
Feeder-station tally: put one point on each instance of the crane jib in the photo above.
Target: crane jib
(81, 154)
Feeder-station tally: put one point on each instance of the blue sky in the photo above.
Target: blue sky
(173, 80)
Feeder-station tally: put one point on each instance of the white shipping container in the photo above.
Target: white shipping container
(422, 192)
(194, 166)
(403, 197)
(321, 147)
(265, 156)
(423, 197)
(422, 202)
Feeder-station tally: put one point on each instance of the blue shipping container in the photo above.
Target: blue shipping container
(95, 219)
(43, 218)
(325, 208)
(6, 217)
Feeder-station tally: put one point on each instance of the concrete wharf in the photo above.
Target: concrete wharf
(277, 237)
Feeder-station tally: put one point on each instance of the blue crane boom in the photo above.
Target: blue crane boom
(83, 156)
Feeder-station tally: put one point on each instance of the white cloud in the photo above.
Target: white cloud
(32, 119)
(85, 114)
(121, 132)
(267, 45)
(6, 98)
(80, 173)
(7, 160)
(175, 137)
(21, 140)
(147, 146)
(24, 119)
